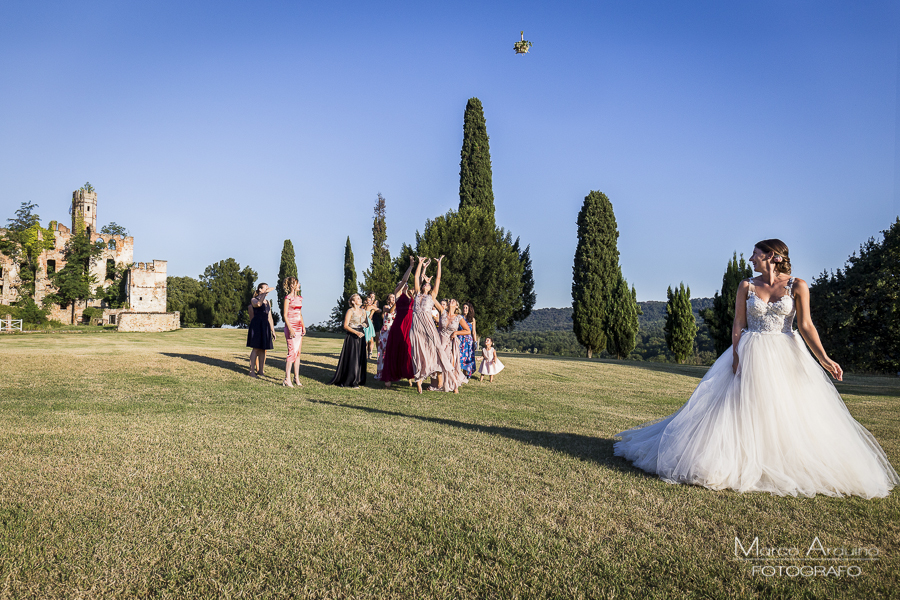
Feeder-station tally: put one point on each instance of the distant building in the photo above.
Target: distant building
(146, 282)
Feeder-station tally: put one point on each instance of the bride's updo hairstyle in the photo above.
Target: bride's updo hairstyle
(782, 260)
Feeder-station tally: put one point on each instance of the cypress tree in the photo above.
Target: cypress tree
(343, 303)
(720, 317)
(287, 268)
(527, 298)
(475, 177)
(623, 319)
(380, 277)
(482, 265)
(595, 272)
(681, 327)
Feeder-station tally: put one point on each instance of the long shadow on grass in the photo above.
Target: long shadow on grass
(582, 447)
(240, 364)
(694, 371)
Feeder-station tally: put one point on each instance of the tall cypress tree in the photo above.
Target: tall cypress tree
(596, 271)
(681, 327)
(527, 298)
(343, 303)
(482, 266)
(379, 278)
(720, 317)
(287, 268)
(475, 177)
(623, 319)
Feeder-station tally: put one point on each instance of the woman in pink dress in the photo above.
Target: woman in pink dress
(428, 353)
(452, 326)
(294, 330)
(397, 361)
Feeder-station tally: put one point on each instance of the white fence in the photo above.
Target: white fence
(10, 325)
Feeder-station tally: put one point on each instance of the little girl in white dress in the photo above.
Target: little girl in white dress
(490, 364)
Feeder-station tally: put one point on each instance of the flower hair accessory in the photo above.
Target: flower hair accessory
(777, 258)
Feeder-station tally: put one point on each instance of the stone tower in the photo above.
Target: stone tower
(84, 211)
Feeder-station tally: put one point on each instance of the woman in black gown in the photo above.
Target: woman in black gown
(351, 367)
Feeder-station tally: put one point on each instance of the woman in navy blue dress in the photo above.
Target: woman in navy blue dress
(261, 331)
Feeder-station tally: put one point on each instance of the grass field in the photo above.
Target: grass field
(150, 465)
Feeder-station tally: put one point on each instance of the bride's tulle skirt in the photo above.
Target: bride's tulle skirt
(778, 425)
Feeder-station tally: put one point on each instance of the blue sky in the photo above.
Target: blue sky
(220, 129)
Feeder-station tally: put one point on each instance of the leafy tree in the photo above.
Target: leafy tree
(343, 303)
(74, 282)
(475, 176)
(596, 271)
(401, 262)
(24, 241)
(481, 265)
(191, 299)
(87, 187)
(287, 268)
(681, 327)
(114, 229)
(720, 317)
(528, 297)
(230, 289)
(857, 309)
(621, 335)
(379, 278)
(116, 293)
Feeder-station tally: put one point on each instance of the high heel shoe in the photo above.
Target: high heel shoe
(287, 383)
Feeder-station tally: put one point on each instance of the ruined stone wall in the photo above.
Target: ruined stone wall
(147, 287)
(148, 321)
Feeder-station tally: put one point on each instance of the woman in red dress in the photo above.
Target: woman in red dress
(397, 362)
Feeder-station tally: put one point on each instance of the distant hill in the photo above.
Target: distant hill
(560, 319)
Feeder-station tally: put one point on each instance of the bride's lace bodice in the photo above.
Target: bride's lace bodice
(776, 316)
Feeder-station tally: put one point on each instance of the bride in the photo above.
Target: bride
(765, 417)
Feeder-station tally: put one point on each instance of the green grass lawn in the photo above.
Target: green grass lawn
(150, 465)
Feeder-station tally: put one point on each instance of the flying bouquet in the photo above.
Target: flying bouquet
(522, 46)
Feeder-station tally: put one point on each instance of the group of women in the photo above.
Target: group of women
(420, 337)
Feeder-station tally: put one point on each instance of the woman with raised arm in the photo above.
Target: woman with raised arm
(424, 339)
(351, 367)
(261, 330)
(397, 362)
(765, 417)
(452, 328)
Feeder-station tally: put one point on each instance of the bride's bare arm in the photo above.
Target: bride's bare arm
(808, 330)
(740, 320)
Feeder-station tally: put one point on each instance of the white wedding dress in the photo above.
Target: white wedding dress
(778, 425)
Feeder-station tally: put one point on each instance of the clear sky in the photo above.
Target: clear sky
(220, 129)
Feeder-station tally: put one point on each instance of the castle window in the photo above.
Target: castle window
(110, 268)
(112, 319)
(51, 266)
(112, 244)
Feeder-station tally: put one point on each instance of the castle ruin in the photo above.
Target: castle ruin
(145, 282)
